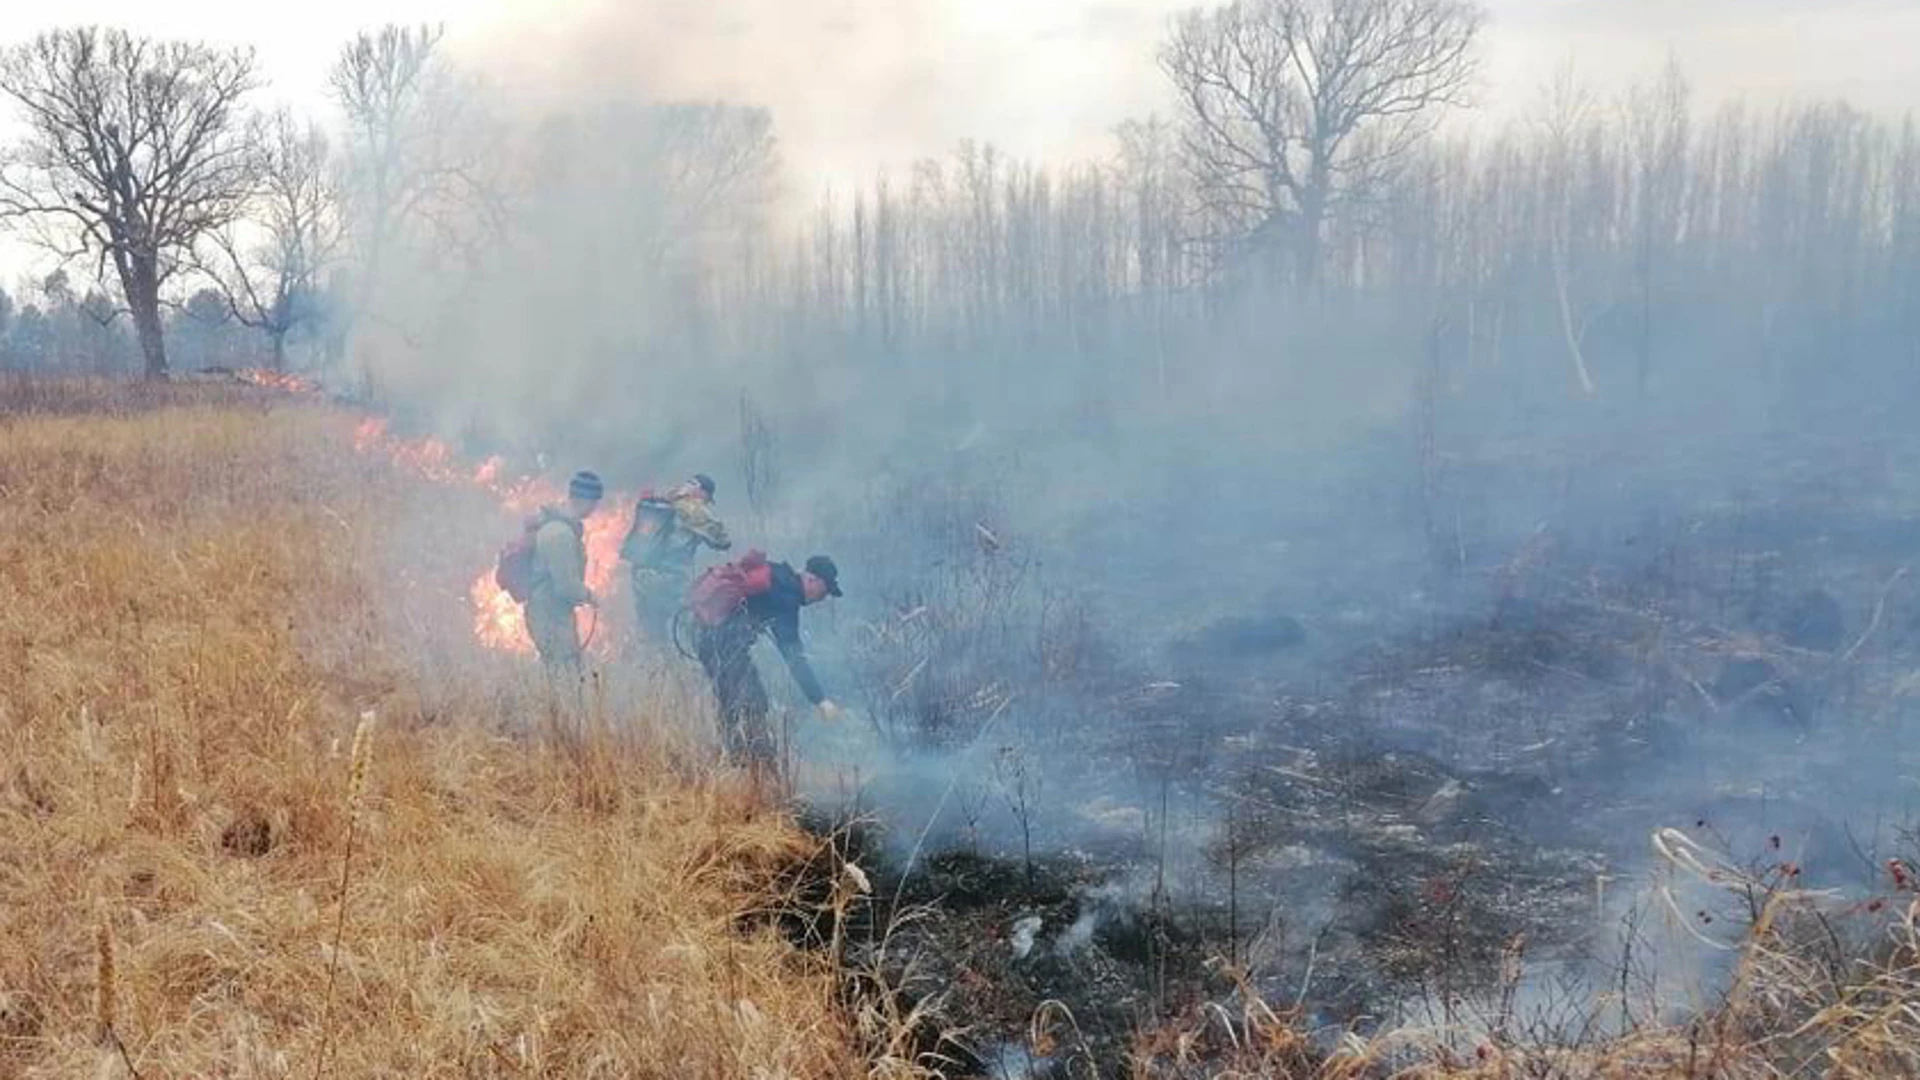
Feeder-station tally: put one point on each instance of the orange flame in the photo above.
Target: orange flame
(368, 435)
(499, 622)
(278, 380)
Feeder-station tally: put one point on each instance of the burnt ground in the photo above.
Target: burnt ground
(1382, 803)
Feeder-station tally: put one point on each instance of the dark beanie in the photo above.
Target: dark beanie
(705, 482)
(585, 485)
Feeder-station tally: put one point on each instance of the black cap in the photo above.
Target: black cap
(705, 482)
(585, 485)
(822, 567)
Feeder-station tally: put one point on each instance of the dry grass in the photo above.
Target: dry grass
(200, 609)
(25, 394)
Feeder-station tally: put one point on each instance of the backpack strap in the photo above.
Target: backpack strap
(541, 520)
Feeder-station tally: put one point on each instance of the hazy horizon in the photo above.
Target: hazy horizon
(908, 79)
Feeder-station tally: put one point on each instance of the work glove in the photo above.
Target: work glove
(829, 711)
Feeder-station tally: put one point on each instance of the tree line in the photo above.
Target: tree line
(1303, 177)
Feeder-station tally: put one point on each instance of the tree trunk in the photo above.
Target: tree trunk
(1644, 370)
(142, 282)
(279, 339)
(1313, 216)
(1567, 327)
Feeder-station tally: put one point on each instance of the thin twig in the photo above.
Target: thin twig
(125, 1060)
(1879, 610)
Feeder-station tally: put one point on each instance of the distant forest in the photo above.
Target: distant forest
(1298, 211)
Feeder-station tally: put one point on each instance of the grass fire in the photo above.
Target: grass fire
(957, 540)
(499, 622)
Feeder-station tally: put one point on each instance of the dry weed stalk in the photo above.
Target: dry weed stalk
(850, 888)
(356, 786)
(106, 991)
(105, 1003)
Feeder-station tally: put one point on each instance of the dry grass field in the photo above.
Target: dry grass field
(205, 703)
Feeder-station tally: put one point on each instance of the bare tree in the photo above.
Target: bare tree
(134, 150)
(382, 82)
(720, 165)
(269, 266)
(659, 184)
(1291, 107)
(1903, 276)
(1658, 120)
(1565, 111)
(631, 210)
(421, 159)
(1148, 186)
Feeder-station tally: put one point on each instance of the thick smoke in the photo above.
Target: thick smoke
(856, 84)
(1568, 509)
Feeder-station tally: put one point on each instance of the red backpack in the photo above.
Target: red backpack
(513, 569)
(723, 589)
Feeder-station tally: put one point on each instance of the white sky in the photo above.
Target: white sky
(855, 84)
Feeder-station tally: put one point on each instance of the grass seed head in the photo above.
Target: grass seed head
(362, 754)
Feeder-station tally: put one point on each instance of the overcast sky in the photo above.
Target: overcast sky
(855, 84)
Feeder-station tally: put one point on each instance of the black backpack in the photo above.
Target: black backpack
(653, 528)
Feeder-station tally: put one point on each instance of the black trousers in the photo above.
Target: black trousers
(726, 652)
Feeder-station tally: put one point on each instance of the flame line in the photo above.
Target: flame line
(499, 623)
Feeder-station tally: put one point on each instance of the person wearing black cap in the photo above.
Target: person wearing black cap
(559, 581)
(667, 534)
(774, 593)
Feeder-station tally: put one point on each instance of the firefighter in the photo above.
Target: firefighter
(559, 575)
(732, 605)
(667, 534)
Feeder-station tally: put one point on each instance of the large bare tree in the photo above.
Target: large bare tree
(269, 266)
(1659, 124)
(422, 192)
(417, 151)
(1291, 107)
(383, 81)
(1566, 126)
(133, 151)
